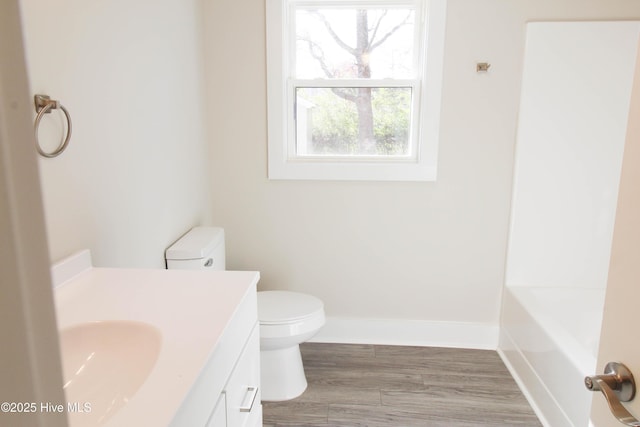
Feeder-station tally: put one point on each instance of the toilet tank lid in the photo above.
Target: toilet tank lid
(196, 243)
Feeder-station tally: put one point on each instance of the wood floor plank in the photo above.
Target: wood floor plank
(458, 395)
(355, 395)
(435, 353)
(481, 362)
(365, 378)
(383, 416)
(464, 407)
(373, 416)
(295, 413)
(367, 385)
(321, 350)
(492, 389)
(433, 360)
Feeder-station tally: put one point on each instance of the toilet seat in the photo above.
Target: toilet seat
(285, 307)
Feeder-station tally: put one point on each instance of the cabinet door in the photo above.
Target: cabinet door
(243, 389)
(218, 417)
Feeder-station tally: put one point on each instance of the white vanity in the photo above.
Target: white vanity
(158, 347)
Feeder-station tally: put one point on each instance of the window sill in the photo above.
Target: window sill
(352, 171)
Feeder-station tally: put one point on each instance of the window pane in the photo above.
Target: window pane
(353, 121)
(350, 43)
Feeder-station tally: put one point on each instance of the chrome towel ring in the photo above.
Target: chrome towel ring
(44, 104)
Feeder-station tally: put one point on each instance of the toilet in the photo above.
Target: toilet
(286, 318)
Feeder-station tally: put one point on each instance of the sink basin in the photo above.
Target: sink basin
(104, 364)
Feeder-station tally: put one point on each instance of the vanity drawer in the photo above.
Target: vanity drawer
(243, 389)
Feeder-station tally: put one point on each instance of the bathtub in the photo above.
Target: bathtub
(549, 341)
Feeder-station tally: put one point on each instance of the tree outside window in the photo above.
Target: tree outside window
(358, 51)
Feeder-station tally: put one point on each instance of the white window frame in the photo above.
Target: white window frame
(283, 162)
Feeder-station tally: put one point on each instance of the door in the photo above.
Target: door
(620, 337)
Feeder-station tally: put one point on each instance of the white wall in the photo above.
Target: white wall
(134, 177)
(571, 133)
(423, 251)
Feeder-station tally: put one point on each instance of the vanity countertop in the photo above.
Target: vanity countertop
(190, 308)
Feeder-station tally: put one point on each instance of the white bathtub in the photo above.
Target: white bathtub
(549, 340)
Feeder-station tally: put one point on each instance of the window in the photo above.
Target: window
(354, 88)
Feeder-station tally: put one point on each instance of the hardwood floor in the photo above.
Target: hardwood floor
(388, 386)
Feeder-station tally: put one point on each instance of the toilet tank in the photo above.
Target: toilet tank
(201, 248)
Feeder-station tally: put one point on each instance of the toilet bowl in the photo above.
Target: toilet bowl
(286, 319)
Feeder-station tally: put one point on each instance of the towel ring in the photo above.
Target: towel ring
(44, 105)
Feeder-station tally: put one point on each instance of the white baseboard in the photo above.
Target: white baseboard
(409, 332)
